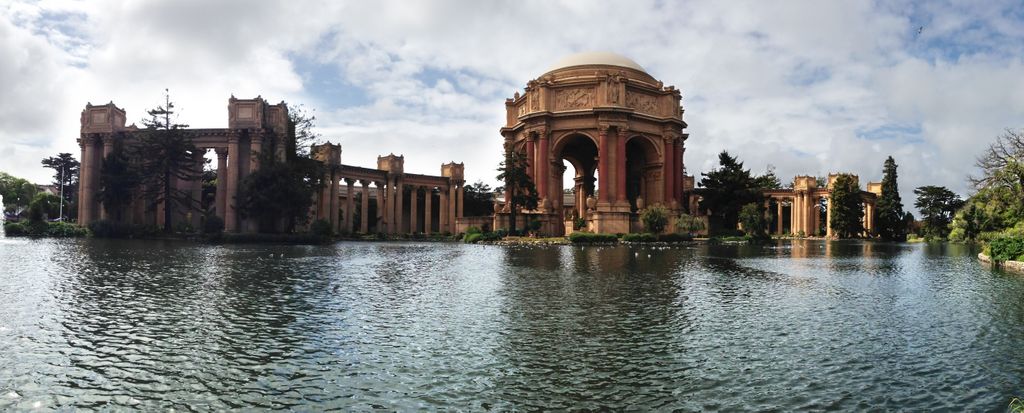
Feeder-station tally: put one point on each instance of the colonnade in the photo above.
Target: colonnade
(400, 208)
(398, 196)
(805, 209)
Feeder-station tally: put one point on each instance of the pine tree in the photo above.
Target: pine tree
(890, 207)
(847, 213)
(118, 182)
(726, 190)
(523, 192)
(165, 152)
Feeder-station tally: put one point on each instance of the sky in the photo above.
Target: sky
(806, 87)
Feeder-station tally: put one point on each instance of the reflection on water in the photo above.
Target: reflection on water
(793, 325)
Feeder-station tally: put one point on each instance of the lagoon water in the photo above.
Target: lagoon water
(809, 325)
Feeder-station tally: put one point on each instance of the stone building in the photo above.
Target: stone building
(806, 208)
(619, 128)
(403, 203)
(253, 126)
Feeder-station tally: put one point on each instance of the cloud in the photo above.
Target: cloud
(809, 87)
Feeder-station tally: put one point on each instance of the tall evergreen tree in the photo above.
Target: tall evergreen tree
(118, 182)
(512, 171)
(937, 205)
(847, 211)
(726, 190)
(889, 206)
(65, 177)
(165, 152)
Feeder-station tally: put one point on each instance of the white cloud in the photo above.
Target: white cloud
(800, 85)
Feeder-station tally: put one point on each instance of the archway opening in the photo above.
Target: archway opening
(643, 177)
(578, 154)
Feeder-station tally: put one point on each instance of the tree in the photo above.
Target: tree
(754, 223)
(165, 152)
(689, 224)
(655, 218)
(280, 191)
(937, 205)
(43, 206)
(479, 200)
(847, 212)
(1001, 161)
(512, 171)
(17, 193)
(769, 180)
(65, 175)
(726, 190)
(889, 205)
(301, 125)
(118, 182)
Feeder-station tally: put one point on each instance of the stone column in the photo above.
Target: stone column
(668, 175)
(442, 212)
(452, 209)
(197, 188)
(399, 205)
(828, 216)
(531, 157)
(677, 168)
(620, 164)
(334, 204)
(792, 216)
(605, 184)
(82, 179)
(108, 147)
(543, 172)
(255, 146)
(230, 216)
(816, 215)
(381, 206)
(349, 195)
(461, 203)
(428, 200)
(86, 188)
(222, 181)
(579, 197)
(364, 224)
(414, 196)
(778, 218)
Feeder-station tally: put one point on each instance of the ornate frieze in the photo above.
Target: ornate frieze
(574, 98)
(642, 103)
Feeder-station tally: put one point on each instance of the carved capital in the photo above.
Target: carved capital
(222, 153)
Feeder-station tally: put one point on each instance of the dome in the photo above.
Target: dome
(596, 58)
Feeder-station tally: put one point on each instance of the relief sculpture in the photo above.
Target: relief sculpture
(642, 103)
(575, 98)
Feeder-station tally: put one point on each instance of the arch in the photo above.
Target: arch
(558, 142)
(581, 151)
(643, 171)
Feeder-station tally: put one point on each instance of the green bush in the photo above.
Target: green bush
(213, 225)
(655, 218)
(65, 230)
(15, 229)
(473, 230)
(644, 237)
(103, 228)
(37, 228)
(674, 237)
(321, 227)
(1007, 249)
(534, 225)
(579, 223)
(591, 238)
(689, 224)
(473, 238)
